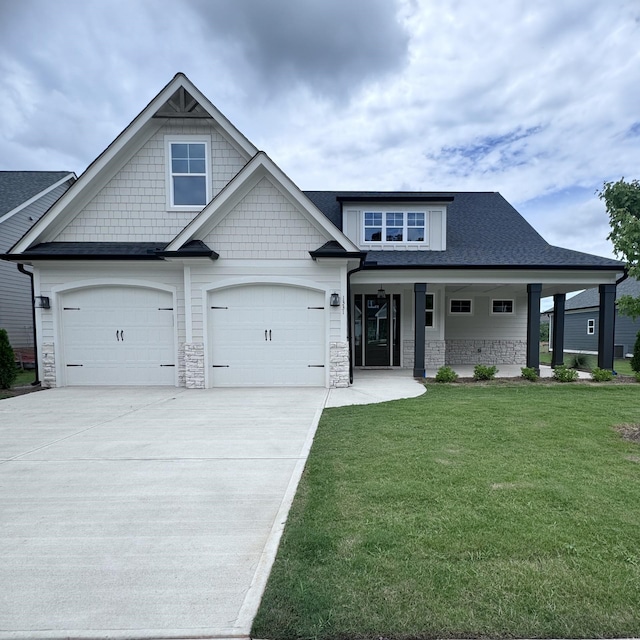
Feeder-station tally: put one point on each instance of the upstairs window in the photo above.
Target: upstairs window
(591, 326)
(395, 226)
(188, 172)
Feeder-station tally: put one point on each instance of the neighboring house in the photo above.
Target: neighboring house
(24, 198)
(185, 256)
(581, 322)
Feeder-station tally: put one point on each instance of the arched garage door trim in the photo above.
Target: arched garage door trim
(89, 285)
(317, 347)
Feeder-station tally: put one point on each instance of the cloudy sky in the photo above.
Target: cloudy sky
(538, 100)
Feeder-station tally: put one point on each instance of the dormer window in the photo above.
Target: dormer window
(395, 226)
(187, 172)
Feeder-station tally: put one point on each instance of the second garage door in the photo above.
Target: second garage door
(267, 335)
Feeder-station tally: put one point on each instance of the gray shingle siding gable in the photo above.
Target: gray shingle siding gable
(15, 287)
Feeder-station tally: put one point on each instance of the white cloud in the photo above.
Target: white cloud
(535, 100)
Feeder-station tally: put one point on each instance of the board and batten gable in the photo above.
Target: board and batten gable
(15, 293)
(133, 205)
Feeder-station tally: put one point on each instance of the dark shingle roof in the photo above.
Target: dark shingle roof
(17, 187)
(483, 230)
(591, 297)
(115, 251)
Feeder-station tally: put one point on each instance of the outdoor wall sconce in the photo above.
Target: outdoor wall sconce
(382, 294)
(334, 300)
(41, 302)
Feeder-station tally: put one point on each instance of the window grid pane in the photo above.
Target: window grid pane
(502, 306)
(460, 306)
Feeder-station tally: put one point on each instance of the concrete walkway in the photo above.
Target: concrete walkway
(152, 512)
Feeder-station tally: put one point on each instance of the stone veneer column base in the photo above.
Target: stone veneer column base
(194, 365)
(487, 352)
(338, 365)
(408, 354)
(434, 354)
(48, 376)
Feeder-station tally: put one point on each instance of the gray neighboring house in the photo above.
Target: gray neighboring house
(581, 322)
(24, 198)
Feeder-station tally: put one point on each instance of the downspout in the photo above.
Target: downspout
(349, 273)
(21, 269)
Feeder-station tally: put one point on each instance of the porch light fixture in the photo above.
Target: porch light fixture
(334, 300)
(382, 294)
(41, 302)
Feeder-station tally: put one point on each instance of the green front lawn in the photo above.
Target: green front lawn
(472, 511)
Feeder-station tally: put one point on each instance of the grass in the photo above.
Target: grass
(620, 365)
(25, 377)
(472, 511)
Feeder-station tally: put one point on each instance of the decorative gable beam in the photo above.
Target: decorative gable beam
(181, 105)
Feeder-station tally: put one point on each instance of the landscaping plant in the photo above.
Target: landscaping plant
(8, 369)
(484, 372)
(446, 374)
(529, 373)
(601, 375)
(562, 373)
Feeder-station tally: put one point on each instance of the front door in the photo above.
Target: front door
(377, 331)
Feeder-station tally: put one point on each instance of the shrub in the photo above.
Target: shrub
(562, 373)
(601, 375)
(637, 376)
(8, 369)
(529, 373)
(635, 359)
(483, 372)
(580, 361)
(446, 374)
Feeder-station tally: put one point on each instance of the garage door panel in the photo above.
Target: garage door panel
(266, 335)
(119, 336)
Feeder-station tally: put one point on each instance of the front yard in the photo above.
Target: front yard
(507, 510)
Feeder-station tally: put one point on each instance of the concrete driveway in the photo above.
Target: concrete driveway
(145, 513)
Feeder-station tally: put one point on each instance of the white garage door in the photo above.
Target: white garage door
(118, 336)
(267, 335)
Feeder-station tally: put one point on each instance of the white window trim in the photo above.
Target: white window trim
(405, 228)
(591, 327)
(202, 139)
(503, 313)
(460, 313)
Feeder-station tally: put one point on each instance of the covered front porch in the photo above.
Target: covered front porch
(462, 319)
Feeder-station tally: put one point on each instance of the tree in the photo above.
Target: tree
(622, 200)
(8, 369)
(635, 360)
